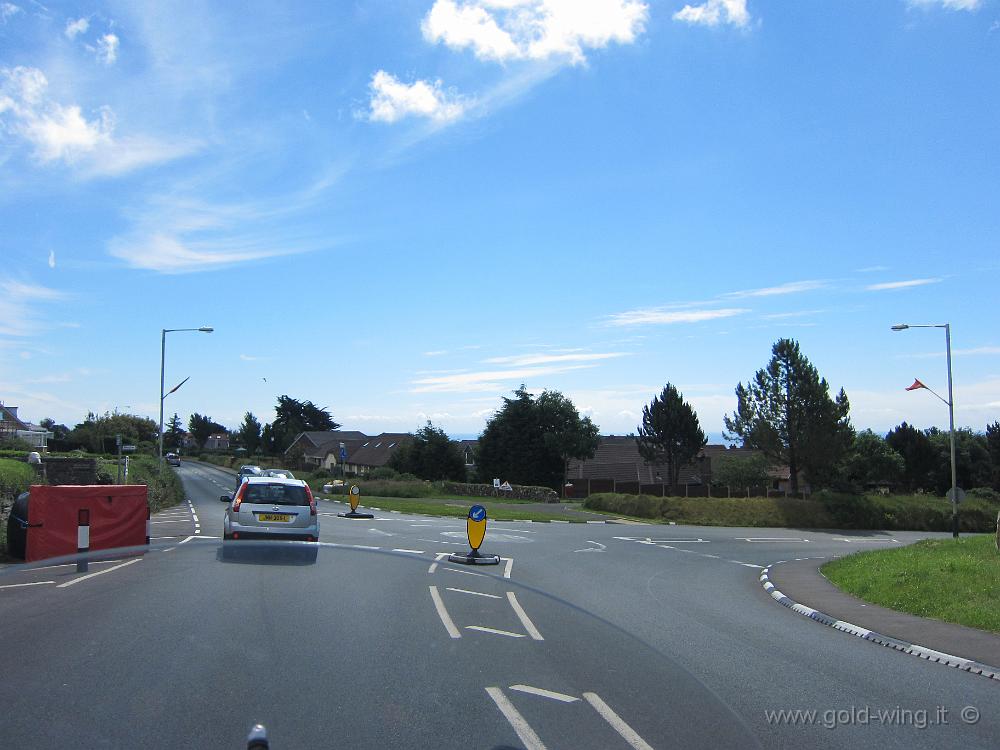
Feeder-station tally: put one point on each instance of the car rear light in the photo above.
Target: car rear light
(236, 535)
(238, 498)
(312, 501)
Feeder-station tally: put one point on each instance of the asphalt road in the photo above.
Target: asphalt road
(586, 636)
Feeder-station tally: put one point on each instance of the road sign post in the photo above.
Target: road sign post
(354, 495)
(475, 527)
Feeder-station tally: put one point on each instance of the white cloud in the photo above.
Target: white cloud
(8, 10)
(796, 314)
(792, 287)
(107, 49)
(888, 285)
(526, 360)
(668, 316)
(714, 12)
(969, 5)
(974, 351)
(79, 26)
(392, 100)
(52, 258)
(872, 269)
(169, 254)
(63, 133)
(504, 30)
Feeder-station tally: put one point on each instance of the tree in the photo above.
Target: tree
(670, 433)
(872, 460)
(973, 467)
(919, 456)
(531, 440)
(172, 435)
(993, 446)
(60, 435)
(739, 473)
(293, 417)
(97, 434)
(248, 433)
(431, 454)
(786, 412)
(201, 426)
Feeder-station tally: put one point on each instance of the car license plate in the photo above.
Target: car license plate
(274, 517)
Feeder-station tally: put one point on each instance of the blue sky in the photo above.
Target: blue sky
(404, 210)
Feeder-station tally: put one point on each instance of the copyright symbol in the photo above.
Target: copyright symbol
(970, 714)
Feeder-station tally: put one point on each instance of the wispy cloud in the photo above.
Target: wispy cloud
(969, 5)
(794, 314)
(52, 258)
(526, 360)
(974, 351)
(670, 316)
(20, 305)
(871, 269)
(791, 287)
(106, 49)
(907, 284)
(76, 27)
(715, 12)
(490, 380)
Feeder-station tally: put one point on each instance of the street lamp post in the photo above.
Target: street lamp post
(951, 416)
(163, 352)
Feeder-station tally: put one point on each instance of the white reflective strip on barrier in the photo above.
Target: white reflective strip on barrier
(83, 537)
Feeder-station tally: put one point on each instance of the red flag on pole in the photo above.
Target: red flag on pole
(916, 385)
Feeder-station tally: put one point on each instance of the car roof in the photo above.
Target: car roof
(275, 480)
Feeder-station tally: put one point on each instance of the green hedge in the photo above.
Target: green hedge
(824, 510)
(164, 487)
(15, 478)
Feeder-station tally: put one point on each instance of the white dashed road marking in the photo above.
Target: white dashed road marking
(544, 693)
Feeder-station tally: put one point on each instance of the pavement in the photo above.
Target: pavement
(802, 582)
(596, 636)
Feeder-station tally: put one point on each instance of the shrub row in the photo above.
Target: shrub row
(823, 510)
(164, 487)
(15, 478)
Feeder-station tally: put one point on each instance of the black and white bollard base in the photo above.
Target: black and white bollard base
(474, 558)
(356, 514)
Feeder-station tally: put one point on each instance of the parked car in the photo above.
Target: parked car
(173, 459)
(271, 508)
(279, 473)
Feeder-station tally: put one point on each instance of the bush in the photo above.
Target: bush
(987, 494)
(15, 478)
(164, 487)
(386, 472)
(320, 473)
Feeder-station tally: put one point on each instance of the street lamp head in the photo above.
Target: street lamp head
(900, 327)
(206, 329)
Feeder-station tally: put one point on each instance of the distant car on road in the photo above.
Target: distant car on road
(271, 508)
(173, 459)
(279, 473)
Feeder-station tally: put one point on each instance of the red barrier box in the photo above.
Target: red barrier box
(117, 518)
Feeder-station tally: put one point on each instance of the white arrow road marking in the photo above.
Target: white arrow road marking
(768, 539)
(517, 722)
(437, 558)
(484, 629)
(379, 531)
(599, 548)
(446, 620)
(510, 564)
(544, 693)
(870, 541)
(617, 723)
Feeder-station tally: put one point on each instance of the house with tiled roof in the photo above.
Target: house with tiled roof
(12, 426)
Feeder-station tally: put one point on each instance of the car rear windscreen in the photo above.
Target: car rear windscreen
(276, 494)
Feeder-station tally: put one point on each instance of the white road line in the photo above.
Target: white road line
(169, 549)
(437, 558)
(617, 723)
(33, 583)
(364, 546)
(465, 572)
(186, 539)
(768, 539)
(523, 617)
(484, 629)
(747, 565)
(517, 722)
(474, 593)
(446, 620)
(411, 551)
(179, 520)
(68, 565)
(714, 557)
(869, 541)
(98, 573)
(383, 533)
(510, 564)
(439, 541)
(544, 693)
(600, 547)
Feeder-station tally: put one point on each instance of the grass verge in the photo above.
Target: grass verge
(954, 580)
(452, 509)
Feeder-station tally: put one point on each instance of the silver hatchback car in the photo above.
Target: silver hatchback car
(272, 508)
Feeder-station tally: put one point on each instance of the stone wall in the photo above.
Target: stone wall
(519, 492)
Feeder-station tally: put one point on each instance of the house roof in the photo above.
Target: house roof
(9, 414)
(618, 458)
(314, 442)
(375, 451)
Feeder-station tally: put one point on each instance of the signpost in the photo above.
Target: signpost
(475, 528)
(355, 497)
